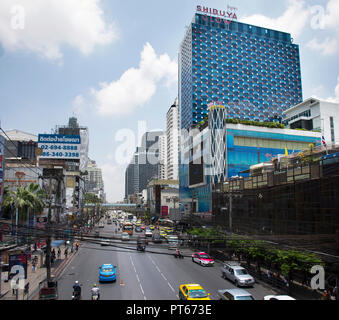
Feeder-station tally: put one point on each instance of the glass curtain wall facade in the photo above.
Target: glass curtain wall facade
(245, 147)
(253, 71)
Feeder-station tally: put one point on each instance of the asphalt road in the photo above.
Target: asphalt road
(146, 275)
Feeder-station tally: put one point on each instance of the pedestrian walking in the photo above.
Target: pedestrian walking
(269, 275)
(33, 266)
(304, 282)
(336, 292)
(59, 253)
(66, 253)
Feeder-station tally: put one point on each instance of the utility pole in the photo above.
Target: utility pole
(48, 244)
(230, 211)
(193, 198)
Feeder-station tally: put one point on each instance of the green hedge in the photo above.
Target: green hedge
(247, 122)
(287, 260)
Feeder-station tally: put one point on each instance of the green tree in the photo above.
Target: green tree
(25, 199)
(92, 198)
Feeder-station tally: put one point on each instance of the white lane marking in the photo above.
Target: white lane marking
(162, 274)
(170, 286)
(142, 290)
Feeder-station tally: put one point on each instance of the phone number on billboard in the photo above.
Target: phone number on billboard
(61, 154)
(55, 147)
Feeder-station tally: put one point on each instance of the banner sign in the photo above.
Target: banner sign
(18, 259)
(164, 211)
(59, 146)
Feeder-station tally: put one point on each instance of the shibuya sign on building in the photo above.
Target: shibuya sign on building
(219, 16)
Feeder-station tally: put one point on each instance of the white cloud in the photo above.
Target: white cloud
(49, 24)
(336, 93)
(136, 86)
(329, 20)
(293, 20)
(332, 14)
(79, 104)
(334, 99)
(114, 182)
(326, 47)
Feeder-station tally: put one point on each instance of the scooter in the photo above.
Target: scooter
(95, 296)
(76, 296)
(178, 256)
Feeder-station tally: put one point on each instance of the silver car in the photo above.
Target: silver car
(124, 236)
(234, 294)
(237, 274)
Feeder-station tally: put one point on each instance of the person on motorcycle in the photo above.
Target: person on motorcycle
(178, 253)
(95, 291)
(76, 289)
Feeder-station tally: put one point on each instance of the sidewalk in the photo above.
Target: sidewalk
(34, 278)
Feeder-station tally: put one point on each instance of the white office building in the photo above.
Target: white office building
(316, 115)
(173, 136)
(162, 169)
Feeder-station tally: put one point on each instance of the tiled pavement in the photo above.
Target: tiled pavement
(34, 278)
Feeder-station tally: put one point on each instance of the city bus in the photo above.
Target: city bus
(127, 227)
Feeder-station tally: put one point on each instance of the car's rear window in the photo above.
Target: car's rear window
(240, 272)
(198, 293)
(244, 298)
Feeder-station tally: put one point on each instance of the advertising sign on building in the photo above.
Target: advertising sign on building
(41, 222)
(18, 260)
(59, 146)
(164, 210)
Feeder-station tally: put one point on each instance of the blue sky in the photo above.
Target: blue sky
(114, 63)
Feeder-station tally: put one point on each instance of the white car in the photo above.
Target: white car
(124, 236)
(148, 233)
(237, 274)
(281, 297)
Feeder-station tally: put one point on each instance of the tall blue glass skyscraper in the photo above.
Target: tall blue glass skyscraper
(253, 71)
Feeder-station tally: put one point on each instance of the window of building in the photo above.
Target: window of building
(332, 130)
(269, 143)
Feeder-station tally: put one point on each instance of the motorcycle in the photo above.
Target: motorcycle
(178, 256)
(95, 296)
(76, 296)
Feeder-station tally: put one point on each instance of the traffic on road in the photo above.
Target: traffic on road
(129, 262)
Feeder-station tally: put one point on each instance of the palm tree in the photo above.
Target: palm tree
(24, 199)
